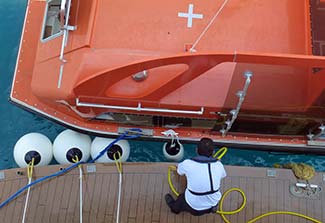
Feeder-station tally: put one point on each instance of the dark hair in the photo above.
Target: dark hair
(205, 147)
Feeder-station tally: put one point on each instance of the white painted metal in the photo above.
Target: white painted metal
(138, 108)
(66, 28)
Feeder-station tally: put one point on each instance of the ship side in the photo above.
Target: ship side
(247, 74)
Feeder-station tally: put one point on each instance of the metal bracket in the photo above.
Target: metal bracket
(69, 28)
(305, 185)
(146, 132)
(320, 135)
(91, 168)
(271, 173)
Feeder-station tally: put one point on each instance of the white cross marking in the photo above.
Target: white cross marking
(190, 15)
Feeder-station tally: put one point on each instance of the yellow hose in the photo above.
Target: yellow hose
(284, 212)
(171, 185)
(221, 151)
(219, 154)
(222, 212)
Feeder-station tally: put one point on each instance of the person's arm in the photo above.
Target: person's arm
(181, 169)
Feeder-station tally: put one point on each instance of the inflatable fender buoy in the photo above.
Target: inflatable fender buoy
(99, 143)
(173, 152)
(69, 144)
(33, 145)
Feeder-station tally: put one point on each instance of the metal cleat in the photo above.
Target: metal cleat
(305, 190)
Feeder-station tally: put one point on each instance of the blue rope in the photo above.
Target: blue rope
(123, 136)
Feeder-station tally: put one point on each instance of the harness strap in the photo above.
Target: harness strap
(205, 160)
(210, 177)
(203, 193)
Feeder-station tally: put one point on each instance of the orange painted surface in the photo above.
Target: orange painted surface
(117, 39)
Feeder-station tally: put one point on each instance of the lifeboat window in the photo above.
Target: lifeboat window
(161, 121)
(52, 24)
(317, 14)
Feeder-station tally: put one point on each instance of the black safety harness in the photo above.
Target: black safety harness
(207, 160)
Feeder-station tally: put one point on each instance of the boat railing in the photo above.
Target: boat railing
(139, 108)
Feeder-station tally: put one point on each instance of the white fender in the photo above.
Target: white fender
(70, 143)
(99, 144)
(33, 145)
(175, 153)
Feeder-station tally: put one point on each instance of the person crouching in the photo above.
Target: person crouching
(203, 174)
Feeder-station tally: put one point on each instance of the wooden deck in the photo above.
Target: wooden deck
(144, 186)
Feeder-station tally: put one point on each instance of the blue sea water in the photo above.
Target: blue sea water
(15, 122)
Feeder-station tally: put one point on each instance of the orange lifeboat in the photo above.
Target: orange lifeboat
(244, 73)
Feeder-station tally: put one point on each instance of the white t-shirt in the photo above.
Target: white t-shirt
(198, 180)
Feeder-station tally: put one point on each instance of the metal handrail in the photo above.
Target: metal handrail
(65, 7)
(234, 112)
(138, 108)
(66, 28)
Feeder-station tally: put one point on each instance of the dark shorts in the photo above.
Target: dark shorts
(180, 205)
